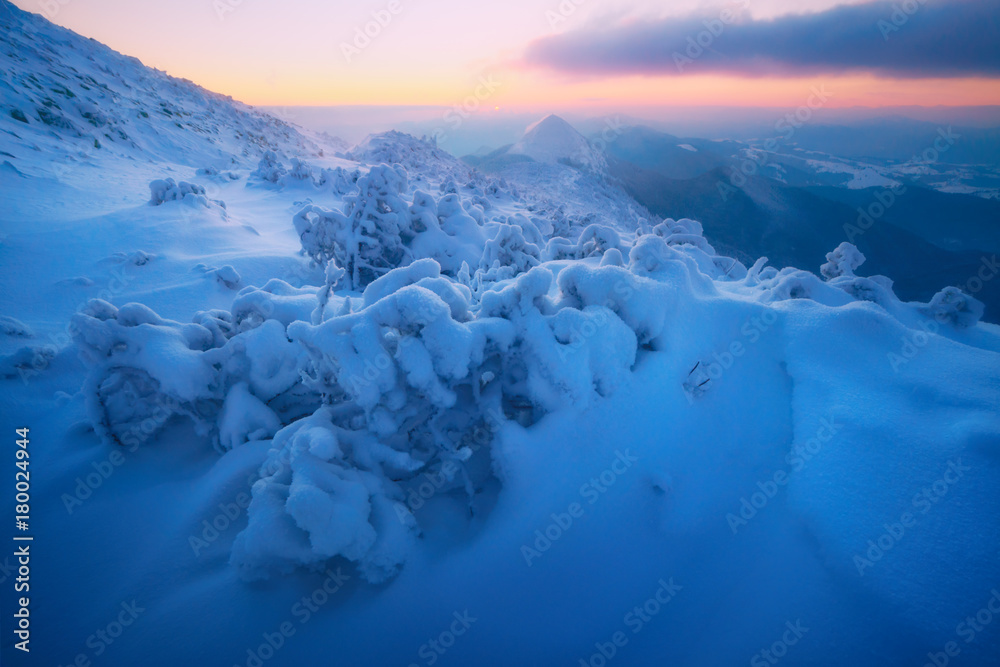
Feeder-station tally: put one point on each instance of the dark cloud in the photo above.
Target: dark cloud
(907, 38)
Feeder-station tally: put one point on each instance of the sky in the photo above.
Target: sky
(574, 55)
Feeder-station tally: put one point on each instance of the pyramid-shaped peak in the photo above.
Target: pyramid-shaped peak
(551, 122)
(552, 139)
(552, 128)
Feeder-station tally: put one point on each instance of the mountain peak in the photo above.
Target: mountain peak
(552, 139)
(552, 122)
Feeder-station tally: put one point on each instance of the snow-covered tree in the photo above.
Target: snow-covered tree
(842, 261)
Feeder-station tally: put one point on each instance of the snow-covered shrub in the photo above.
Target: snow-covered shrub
(226, 275)
(26, 361)
(684, 232)
(10, 326)
(842, 261)
(559, 247)
(269, 169)
(640, 303)
(338, 180)
(218, 322)
(613, 257)
(427, 162)
(143, 367)
(444, 231)
(134, 258)
(326, 492)
(876, 289)
(186, 194)
(332, 275)
(510, 248)
(402, 379)
(595, 240)
(164, 190)
(560, 356)
(245, 418)
(377, 216)
(426, 273)
(407, 342)
(408, 381)
(485, 279)
(325, 235)
(380, 231)
(954, 306)
(276, 300)
(536, 230)
(791, 283)
(218, 174)
(300, 171)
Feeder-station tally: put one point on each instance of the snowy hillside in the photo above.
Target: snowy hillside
(289, 407)
(67, 97)
(415, 155)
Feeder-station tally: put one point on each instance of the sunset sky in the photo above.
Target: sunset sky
(579, 55)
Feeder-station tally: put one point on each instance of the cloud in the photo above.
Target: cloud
(906, 38)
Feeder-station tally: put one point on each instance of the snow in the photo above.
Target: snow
(861, 176)
(688, 147)
(842, 261)
(414, 395)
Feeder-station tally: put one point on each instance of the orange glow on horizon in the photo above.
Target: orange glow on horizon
(269, 56)
(526, 91)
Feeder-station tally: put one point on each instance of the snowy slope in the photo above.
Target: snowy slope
(69, 96)
(418, 156)
(375, 414)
